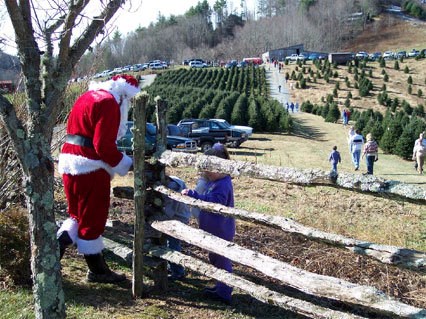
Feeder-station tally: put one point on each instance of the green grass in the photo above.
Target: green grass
(16, 304)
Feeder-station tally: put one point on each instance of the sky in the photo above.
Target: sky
(148, 10)
(140, 13)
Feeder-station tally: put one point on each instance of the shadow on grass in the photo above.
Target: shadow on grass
(261, 139)
(189, 293)
(305, 131)
(248, 151)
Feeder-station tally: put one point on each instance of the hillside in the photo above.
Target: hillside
(389, 32)
(386, 33)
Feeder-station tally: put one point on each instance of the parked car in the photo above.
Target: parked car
(401, 54)
(138, 67)
(242, 64)
(387, 55)
(247, 129)
(374, 56)
(413, 53)
(174, 142)
(197, 64)
(316, 56)
(361, 55)
(231, 64)
(209, 131)
(157, 66)
(115, 71)
(296, 57)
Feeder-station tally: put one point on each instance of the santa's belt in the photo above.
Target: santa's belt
(79, 140)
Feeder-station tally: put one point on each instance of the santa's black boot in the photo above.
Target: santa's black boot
(99, 270)
(64, 241)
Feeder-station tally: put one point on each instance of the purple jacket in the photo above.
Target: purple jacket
(220, 191)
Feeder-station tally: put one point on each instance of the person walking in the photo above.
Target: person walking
(356, 144)
(88, 161)
(370, 153)
(279, 88)
(219, 190)
(419, 152)
(334, 158)
(344, 117)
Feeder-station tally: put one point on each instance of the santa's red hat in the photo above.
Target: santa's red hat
(122, 86)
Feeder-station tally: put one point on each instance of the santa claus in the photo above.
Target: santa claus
(88, 161)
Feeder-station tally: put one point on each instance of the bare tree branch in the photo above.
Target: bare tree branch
(12, 123)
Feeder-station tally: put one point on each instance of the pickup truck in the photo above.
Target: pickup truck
(295, 57)
(174, 142)
(210, 131)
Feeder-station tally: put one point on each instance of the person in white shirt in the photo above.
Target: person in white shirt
(356, 144)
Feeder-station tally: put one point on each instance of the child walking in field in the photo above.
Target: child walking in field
(334, 159)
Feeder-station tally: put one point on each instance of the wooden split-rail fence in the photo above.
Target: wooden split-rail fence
(149, 190)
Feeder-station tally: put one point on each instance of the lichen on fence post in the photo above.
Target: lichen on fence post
(161, 146)
(139, 130)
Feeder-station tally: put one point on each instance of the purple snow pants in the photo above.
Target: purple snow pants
(222, 227)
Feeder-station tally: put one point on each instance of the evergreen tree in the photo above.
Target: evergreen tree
(390, 136)
(404, 145)
(239, 113)
(255, 117)
(325, 110)
(396, 65)
(333, 114)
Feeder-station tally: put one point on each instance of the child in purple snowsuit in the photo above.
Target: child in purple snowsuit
(219, 190)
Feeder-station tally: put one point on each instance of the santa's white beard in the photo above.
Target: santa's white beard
(124, 111)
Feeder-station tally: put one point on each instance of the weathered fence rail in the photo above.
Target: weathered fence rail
(307, 282)
(307, 177)
(397, 256)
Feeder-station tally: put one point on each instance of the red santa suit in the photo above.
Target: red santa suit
(90, 158)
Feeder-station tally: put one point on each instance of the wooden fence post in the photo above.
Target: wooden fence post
(139, 130)
(160, 273)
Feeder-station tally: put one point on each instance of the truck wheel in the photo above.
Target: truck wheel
(205, 146)
(235, 144)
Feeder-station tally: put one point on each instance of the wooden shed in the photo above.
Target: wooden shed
(280, 54)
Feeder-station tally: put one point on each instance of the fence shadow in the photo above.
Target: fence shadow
(249, 151)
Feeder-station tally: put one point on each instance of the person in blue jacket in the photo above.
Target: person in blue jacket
(219, 190)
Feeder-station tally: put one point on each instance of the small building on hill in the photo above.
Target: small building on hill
(280, 54)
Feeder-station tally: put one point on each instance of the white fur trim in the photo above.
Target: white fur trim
(70, 225)
(119, 88)
(90, 247)
(124, 114)
(123, 167)
(78, 165)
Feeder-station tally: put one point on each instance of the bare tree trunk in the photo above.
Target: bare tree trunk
(45, 81)
(47, 280)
